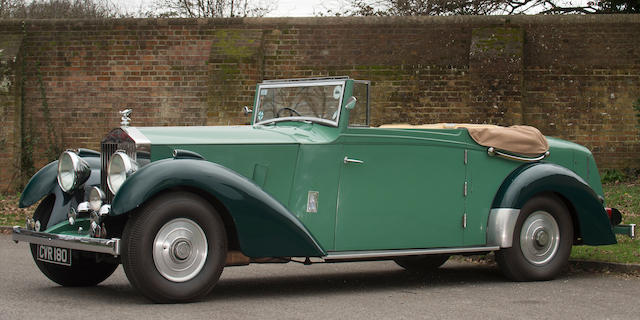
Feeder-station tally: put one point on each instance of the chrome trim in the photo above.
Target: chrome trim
(502, 222)
(143, 144)
(130, 166)
(306, 79)
(309, 119)
(311, 83)
(348, 160)
(626, 229)
(125, 117)
(94, 203)
(79, 167)
(104, 210)
(84, 207)
(348, 255)
(493, 152)
(109, 246)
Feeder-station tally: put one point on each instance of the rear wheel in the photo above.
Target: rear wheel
(174, 248)
(85, 269)
(422, 263)
(542, 241)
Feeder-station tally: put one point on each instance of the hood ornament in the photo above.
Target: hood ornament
(125, 117)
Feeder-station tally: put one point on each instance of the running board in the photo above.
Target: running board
(357, 255)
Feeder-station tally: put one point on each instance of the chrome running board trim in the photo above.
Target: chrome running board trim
(349, 255)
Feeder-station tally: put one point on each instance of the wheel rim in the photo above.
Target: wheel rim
(539, 238)
(180, 250)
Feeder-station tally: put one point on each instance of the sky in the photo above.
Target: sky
(282, 8)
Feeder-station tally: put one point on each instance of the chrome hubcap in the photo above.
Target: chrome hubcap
(539, 238)
(180, 250)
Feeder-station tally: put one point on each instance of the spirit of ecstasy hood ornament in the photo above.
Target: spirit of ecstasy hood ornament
(125, 117)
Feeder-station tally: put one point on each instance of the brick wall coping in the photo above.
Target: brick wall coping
(333, 21)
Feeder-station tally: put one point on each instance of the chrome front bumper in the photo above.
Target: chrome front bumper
(108, 246)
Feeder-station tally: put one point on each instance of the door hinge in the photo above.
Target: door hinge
(465, 189)
(464, 221)
(466, 159)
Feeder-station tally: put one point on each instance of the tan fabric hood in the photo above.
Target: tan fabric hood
(523, 140)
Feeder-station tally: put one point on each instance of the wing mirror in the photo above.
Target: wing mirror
(351, 103)
(246, 111)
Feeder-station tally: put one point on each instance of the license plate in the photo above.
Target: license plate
(54, 255)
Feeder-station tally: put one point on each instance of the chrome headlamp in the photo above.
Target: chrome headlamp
(120, 167)
(73, 171)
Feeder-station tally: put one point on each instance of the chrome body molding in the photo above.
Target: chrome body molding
(493, 152)
(502, 222)
(108, 246)
(353, 255)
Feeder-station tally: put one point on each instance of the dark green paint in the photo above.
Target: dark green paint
(40, 185)
(265, 227)
(45, 180)
(532, 179)
(408, 193)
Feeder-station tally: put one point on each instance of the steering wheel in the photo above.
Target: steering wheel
(291, 110)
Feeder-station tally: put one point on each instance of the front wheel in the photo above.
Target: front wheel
(175, 248)
(85, 270)
(542, 241)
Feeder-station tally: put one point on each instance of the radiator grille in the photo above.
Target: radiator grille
(113, 142)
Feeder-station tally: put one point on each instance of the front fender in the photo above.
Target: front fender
(44, 183)
(41, 184)
(265, 227)
(531, 179)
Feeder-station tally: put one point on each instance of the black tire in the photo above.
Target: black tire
(161, 219)
(534, 254)
(84, 271)
(422, 263)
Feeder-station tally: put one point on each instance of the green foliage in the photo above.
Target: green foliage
(626, 198)
(54, 144)
(636, 107)
(613, 176)
(58, 9)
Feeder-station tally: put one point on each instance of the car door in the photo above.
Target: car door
(399, 189)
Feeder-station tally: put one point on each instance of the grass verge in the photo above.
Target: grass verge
(625, 196)
(10, 214)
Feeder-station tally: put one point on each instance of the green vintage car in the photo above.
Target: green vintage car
(310, 181)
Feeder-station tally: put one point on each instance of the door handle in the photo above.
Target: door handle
(347, 160)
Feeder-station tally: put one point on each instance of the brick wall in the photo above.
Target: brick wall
(574, 77)
(10, 105)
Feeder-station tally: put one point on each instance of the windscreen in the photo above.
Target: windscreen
(299, 102)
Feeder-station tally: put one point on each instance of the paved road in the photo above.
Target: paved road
(369, 290)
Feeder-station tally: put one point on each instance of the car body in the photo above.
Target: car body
(308, 181)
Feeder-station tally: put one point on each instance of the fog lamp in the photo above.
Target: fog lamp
(96, 197)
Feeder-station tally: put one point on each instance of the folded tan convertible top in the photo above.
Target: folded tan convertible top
(524, 140)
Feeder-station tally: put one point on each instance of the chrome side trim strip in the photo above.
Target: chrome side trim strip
(348, 255)
(502, 222)
(109, 246)
(493, 152)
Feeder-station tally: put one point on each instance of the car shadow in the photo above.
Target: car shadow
(309, 284)
(323, 283)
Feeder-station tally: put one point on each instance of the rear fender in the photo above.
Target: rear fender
(532, 179)
(265, 227)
